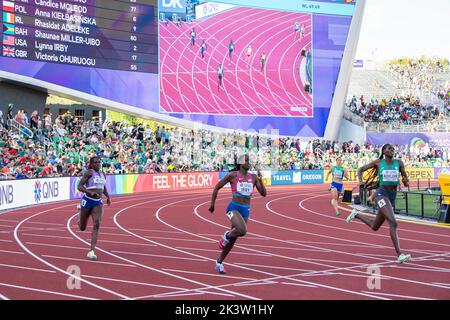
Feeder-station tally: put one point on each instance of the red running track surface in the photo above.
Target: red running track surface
(163, 246)
(189, 83)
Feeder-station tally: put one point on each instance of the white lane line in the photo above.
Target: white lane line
(171, 295)
(54, 245)
(442, 284)
(211, 274)
(175, 294)
(3, 297)
(179, 239)
(47, 291)
(131, 282)
(154, 230)
(14, 252)
(130, 243)
(256, 283)
(272, 267)
(397, 295)
(25, 268)
(285, 248)
(237, 252)
(157, 255)
(414, 268)
(86, 260)
(45, 236)
(299, 284)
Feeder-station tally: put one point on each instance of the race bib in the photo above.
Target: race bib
(245, 188)
(338, 174)
(390, 175)
(99, 182)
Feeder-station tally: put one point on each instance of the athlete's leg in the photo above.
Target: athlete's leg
(97, 213)
(388, 212)
(334, 200)
(83, 217)
(374, 224)
(238, 229)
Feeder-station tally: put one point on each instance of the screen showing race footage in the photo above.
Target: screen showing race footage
(107, 48)
(251, 65)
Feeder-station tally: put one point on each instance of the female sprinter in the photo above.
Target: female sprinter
(337, 186)
(93, 184)
(238, 210)
(387, 170)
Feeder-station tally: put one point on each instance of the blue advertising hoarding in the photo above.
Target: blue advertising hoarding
(290, 177)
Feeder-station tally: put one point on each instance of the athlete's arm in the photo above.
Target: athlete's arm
(105, 192)
(371, 165)
(219, 186)
(83, 181)
(329, 172)
(260, 184)
(403, 172)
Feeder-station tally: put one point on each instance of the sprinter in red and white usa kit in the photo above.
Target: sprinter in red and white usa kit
(238, 210)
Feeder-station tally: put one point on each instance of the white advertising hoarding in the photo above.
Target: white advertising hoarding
(27, 192)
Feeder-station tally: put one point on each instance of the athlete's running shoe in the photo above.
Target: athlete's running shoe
(220, 268)
(91, 255)
(338, 213)
(223, 242)
(352, 216)
(403, 258)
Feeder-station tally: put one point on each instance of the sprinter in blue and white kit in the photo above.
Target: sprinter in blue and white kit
(93, 185)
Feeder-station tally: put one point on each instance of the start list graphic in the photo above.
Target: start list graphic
(108, 34)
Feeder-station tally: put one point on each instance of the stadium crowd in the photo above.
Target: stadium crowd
(400, 109)
(417, 73)
(62, 147)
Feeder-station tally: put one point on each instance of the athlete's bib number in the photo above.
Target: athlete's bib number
(99, 182)
(245, 188)
(390, 175)
(338, 174)
(83, 202)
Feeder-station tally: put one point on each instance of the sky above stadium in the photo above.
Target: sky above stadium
(404, 28)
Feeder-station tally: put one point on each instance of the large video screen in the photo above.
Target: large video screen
(258, 65)
(106, 48)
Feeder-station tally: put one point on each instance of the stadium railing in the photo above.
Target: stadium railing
(430, 126)
(422, 199)
(22, 129)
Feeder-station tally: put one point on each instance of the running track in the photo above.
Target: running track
(189, 82)
(163, 246)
